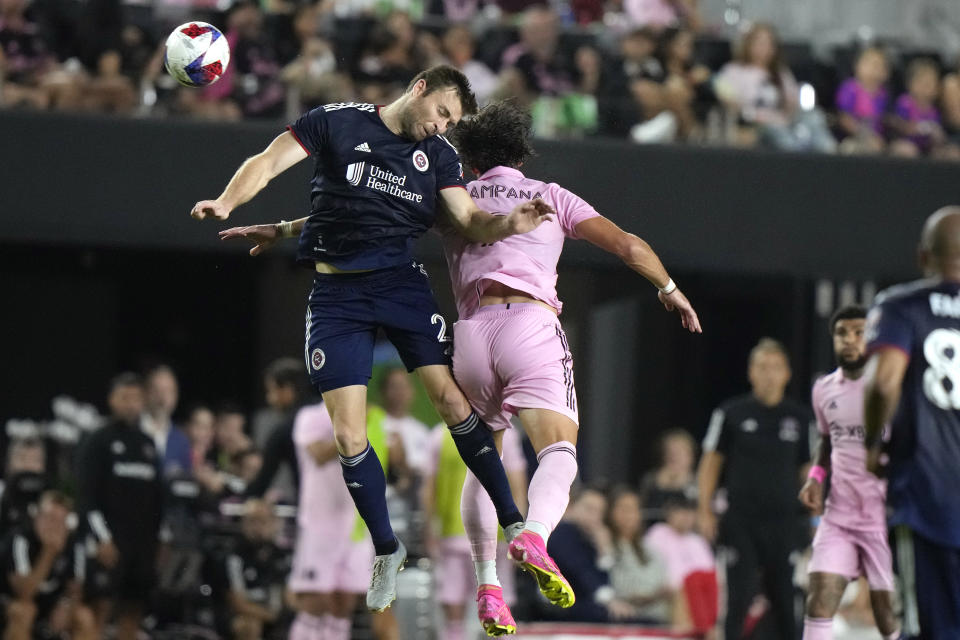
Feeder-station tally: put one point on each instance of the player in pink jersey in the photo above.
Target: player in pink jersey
(511, 354)
(851, 539)
(333, 558)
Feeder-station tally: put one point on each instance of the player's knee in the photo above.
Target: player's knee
(20, 615)
(351, 439)
(450, 403)
(820, 605)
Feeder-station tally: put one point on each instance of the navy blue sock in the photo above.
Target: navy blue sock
(476, 446)
(364, 477)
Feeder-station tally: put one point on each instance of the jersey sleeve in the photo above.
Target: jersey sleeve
(718, 432)
(449, 168)
(312, 424)
(571, 210)
(888, 326)
(311, 130)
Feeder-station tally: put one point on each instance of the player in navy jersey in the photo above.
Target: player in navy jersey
(380, 174)
(913, 381)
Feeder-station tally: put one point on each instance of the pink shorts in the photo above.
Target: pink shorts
(325, 565)
(852, 553)
(511, 357)
(456, 578)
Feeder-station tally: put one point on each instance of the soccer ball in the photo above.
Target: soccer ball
(197, 54)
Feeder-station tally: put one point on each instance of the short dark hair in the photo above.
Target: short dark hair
(769, 345)
(849, 312)
(125, 379)
(499, 135)
(443, 76)
(287, 372)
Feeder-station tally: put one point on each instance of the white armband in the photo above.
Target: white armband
(668, 288)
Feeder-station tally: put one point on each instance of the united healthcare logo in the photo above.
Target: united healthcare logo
(355, 172)
(381, 179)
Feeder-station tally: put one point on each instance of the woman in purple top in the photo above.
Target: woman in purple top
(916, 118)
(862, 103)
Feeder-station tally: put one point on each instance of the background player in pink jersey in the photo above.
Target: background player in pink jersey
(334, 555)
(511, 354)
(851, 539)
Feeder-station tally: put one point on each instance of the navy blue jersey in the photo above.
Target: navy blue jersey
(922, 319)
(374, 192)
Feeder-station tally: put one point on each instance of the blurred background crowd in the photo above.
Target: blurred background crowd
(653, 71)
(202, 548)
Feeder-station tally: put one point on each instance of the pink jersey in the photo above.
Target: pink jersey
(325, 504)
(857, 497)
(526, 262)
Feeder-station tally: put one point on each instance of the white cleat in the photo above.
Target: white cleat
(383, 585)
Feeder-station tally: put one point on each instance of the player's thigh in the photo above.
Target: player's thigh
(340, 337)
(473, 367)
(313, 603)
(411, 319)
(534, 363)
(835, 551)
(344, 603)
(545, 427)
(348, 412)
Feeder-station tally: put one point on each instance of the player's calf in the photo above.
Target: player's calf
(882, 604)
(826, 590)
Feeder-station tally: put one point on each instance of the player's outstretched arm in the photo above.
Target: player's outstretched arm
(477, 225)
(252, 176)
(264, 236)
(811, 494)
(883, 379)
(639, 256)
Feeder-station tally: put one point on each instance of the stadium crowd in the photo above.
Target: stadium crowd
(180, 521)
(648, 70)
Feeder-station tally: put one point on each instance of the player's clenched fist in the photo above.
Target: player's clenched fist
(210, 209)
(528, 216)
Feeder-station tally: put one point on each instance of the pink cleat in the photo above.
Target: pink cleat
(494, 613)
(529, 551)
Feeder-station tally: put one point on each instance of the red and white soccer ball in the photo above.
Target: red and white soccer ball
(197, 54)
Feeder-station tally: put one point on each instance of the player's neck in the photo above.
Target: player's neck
(769, 399)
(390, 115)
(852, 374)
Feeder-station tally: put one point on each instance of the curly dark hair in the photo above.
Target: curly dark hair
(499, 135)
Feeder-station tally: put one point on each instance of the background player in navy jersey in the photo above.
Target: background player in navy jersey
(378, 178)
(913, 381)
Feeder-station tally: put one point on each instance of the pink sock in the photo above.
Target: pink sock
(307, 627)
(337, 628)
(549, 490)
(479, 519)
(453, 630)
(817, 628)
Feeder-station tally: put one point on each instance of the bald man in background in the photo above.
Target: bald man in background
(913, 382)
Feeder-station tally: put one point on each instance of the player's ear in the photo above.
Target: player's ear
(418, 87)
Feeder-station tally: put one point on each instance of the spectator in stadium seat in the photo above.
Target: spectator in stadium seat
(662, 14)
(632, 91)
(535, 65)
(459, 47)
(255, 574)
(199, 430)
(761, 92)
(109, 90)
(120, 493)
(687, 83)
(161, 397)
(638, 574)
(862, 104)
(24, 58)
(916, 120)
(674, 477)
(950, 103)
(684, 554)
(41, 575)
(229, 440)
(24, 481)
(582, 547)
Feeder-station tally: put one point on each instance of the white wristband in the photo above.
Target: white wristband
(668, 288)
(285, 229)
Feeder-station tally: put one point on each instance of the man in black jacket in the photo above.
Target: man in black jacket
(120, 491)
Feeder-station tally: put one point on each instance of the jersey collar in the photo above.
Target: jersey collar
(501, 171)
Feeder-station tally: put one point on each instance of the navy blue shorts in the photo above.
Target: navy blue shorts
(344, 312)
(929, 585)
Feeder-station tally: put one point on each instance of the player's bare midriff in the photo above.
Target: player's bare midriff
(326, 267)
(499, 293)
